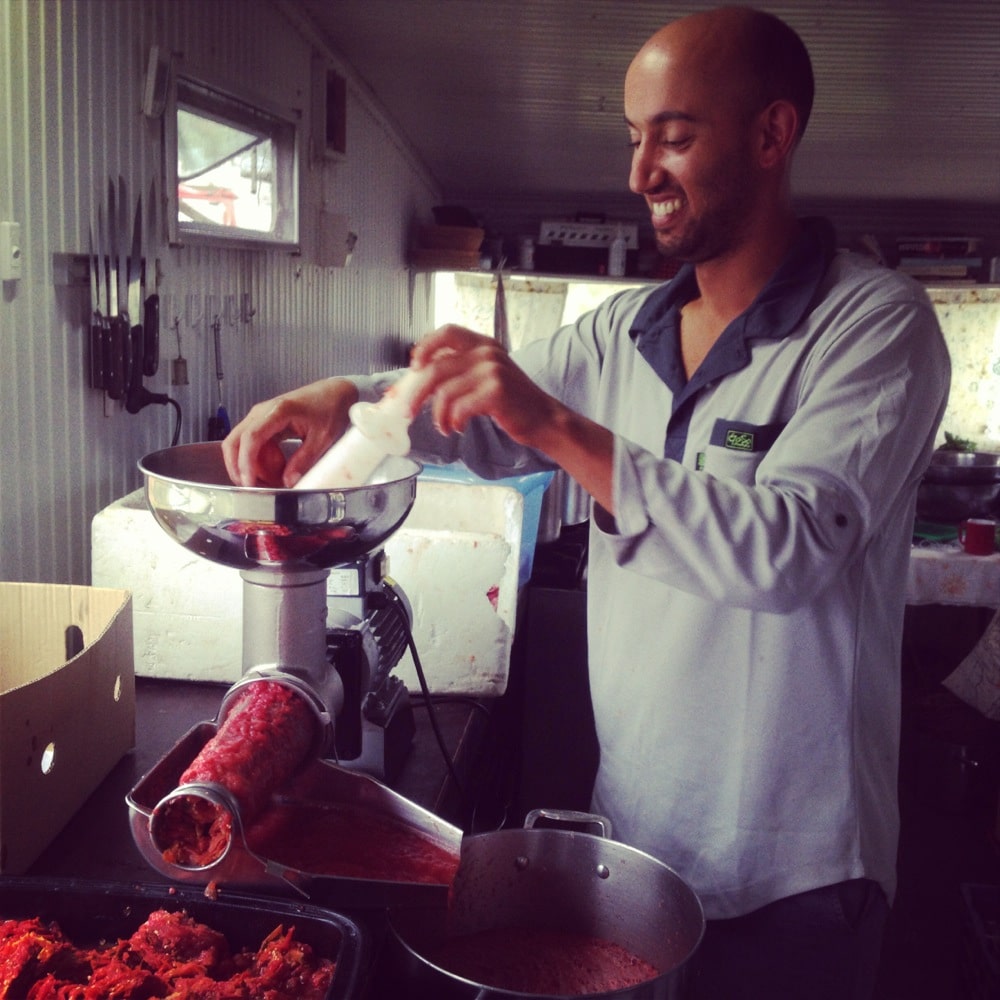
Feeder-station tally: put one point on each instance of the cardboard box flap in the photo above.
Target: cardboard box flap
(42, 626)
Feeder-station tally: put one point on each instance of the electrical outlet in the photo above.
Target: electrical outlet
(10, 251)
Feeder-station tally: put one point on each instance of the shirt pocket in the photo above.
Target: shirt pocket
(736, 449)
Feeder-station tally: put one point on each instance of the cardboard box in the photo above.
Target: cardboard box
(67, 707)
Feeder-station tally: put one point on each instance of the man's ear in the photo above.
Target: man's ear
(777, 129)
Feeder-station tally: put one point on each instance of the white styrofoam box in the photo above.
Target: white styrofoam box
(455, 558)
(187, 612)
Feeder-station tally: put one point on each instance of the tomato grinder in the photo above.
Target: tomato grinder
(320, 617)
(319, 612)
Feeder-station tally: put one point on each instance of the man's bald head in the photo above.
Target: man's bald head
(740, 52)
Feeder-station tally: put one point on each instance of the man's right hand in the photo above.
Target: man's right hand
(317, 413)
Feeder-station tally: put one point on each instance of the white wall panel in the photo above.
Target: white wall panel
(71, 74)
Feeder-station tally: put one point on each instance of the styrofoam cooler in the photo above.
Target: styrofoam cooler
(459, 557)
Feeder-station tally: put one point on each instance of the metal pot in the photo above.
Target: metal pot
(958, 485)
(963, 467)
(554, 879)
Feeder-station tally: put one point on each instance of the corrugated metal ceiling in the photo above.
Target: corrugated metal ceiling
(522, 97)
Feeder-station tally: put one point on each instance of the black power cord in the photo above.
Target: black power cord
(139, 397)
(433, 719)
(428, 698)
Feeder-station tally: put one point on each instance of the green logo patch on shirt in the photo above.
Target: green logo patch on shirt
(738, 435)
(738, 440)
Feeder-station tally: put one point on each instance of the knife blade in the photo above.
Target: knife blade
(124, 309)
(135, 304)
(122, 235)
(151, 311)
(104, 289)
(116, 341)
(135, 265)
(96, 345)
(112, 250)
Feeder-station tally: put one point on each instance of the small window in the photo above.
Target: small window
(233, 165)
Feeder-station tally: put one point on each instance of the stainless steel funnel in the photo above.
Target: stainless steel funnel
(279, 530)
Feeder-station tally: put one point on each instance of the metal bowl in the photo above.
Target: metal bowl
(958, 485)
(963, 467)
(191, 496)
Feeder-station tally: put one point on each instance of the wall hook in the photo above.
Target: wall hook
(194, 310)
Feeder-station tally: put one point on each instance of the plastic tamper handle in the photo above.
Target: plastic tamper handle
(377, 430)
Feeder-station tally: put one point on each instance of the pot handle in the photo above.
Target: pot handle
(569, 817)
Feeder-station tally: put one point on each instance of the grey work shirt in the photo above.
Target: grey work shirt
(745, 604)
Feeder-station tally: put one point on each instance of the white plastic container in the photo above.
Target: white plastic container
(377, 430)
(617, 254)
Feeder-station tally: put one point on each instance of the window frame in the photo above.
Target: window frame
(192, 92)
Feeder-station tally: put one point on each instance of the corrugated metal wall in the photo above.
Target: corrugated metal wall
(71, 75)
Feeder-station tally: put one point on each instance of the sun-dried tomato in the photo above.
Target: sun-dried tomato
(169, 956)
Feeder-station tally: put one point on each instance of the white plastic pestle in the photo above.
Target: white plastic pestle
(377, 430)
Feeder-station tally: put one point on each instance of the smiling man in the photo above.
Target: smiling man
(752, 432)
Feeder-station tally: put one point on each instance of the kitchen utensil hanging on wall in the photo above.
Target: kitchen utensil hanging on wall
(151, 301)
(179, 365)
(116, 343)
(218, 426)
(134, 275)
(96, 345)
(127, 297)
(124, 326)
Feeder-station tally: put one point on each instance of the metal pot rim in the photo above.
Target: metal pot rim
(963, 467)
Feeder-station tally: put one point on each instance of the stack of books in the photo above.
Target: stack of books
(941, 259)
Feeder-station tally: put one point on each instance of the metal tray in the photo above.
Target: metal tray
(92, 912)
(326, 783)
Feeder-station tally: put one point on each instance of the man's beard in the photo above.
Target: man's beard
(719, 227)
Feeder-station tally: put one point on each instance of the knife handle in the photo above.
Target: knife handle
(97, 352)
(114, 364)
(128, 352)
(105, 352)
(151, 336)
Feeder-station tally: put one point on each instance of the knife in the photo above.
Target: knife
(135, 300)
(151, 311)
(115, 344)
(96, 330)
(104, 292)
(124, 308)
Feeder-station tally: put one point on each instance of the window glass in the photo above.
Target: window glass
(235, 169)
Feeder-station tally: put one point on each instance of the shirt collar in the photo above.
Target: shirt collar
(777, 310)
